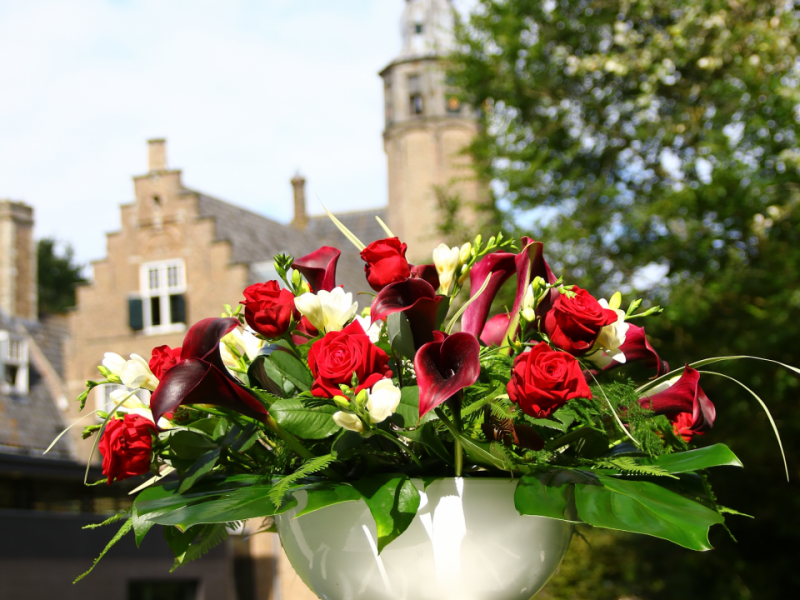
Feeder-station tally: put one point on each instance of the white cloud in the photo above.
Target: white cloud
(246, 92)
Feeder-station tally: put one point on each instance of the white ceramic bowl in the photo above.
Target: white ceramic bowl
(467, 542)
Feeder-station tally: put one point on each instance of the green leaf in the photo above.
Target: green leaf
(400, 336)
(309, 423)
(426, 435)
(534, 497)
(140, 527)
(179, 541)
(292, 369)
(694, 460)
(345, 444)
(441, 313)
(328, 494)
(644, 507)
(126, 527)
(186, 444)
(393, 502)
(201, 467)
(407, 413)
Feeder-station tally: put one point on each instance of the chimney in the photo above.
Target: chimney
(157, 153)
(17, 260)
(300, 220)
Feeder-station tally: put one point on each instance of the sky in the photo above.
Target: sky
(246, 92)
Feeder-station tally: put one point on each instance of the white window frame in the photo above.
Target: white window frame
(20, 359)
(163, 290)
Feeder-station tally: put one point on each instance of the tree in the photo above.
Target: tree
(57, 275)
(660, 137)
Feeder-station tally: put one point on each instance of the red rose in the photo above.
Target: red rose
(386, 263)
(545, 379)
(126, 446)
(574, 323)
(163, 358)
(338, 355)
(268, 309)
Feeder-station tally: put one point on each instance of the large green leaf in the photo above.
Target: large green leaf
(426, 435)
(292, 369)
(533, 497)
(694, 460)
(644, 507)
(326, 494)
(165, 498)
(407, 413)
(304, 422)
(400, 336)
(393, 501)
(190, 445)
(199, 469)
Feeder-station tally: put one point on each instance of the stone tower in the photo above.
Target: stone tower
(17, 260)
(426, 128)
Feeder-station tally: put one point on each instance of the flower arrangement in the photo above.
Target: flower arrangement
(295, 390)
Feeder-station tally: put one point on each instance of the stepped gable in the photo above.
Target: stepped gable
(30, 422)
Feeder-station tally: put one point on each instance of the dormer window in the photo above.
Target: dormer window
(160, 306)
(13, 363)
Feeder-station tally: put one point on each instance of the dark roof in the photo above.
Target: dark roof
(29, 423)
(253, 237)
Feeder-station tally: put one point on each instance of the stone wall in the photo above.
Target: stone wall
(17, 260)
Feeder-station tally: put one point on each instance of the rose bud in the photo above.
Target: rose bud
(544, 379)
(576, 320)
(126, 447)
(268, 309)
(386, 263)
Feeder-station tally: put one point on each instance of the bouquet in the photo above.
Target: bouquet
(294, 389)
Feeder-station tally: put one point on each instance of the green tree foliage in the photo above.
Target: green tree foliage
(664, 133)
(57, 275)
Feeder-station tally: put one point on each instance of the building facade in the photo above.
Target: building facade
(426, 130)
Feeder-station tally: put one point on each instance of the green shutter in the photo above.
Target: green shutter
(177, 308)
(135, 314)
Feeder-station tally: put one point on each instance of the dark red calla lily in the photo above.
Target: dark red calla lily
(494, 332)
(200, 377)
(500, 265)
(637, 348)
(446, 366)
(529, 263)
(415, 298)
(685, 404)
(427, 273)
(319, 268)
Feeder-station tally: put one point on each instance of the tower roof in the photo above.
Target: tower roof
(426, 28)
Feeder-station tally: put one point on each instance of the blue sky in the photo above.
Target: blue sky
(246, 93)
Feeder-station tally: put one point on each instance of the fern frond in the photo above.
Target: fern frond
(628, 466)
(117, 517)
(211, 536)
(126, 527)
(310, 467)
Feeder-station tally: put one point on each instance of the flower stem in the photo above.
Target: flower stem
(405, 448)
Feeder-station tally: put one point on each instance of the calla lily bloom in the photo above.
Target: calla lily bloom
(637, 348)
(417, 299)
(494, 332)
(684, 402)
(527, 265)
(319, 268)
(200, 377)
(446, 366)
(427, 273)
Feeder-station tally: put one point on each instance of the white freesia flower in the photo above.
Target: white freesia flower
(528, 305)
(348, 421)
(242, 342)
(384, 397)
(446, 261)
(135, 403)
(136, 373)
(664, 385)
(327, 311)
(113, 362)
(610, 339)
(373, 330)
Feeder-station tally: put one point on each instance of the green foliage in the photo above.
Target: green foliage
(393, 502)
(57, 276)
(315, 465)
(126, 527)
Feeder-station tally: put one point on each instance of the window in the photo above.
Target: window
(453, 104)
(418, 28)
(13, 364)
(163, 301)
(415, 95)
(163, 590)
(415, 104)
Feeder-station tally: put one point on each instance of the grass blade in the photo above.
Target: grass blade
(345, 231)
(461, 310)
(384, 226)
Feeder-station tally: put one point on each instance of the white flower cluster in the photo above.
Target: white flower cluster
(382, 402)
(136, 376)
(327, 311)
